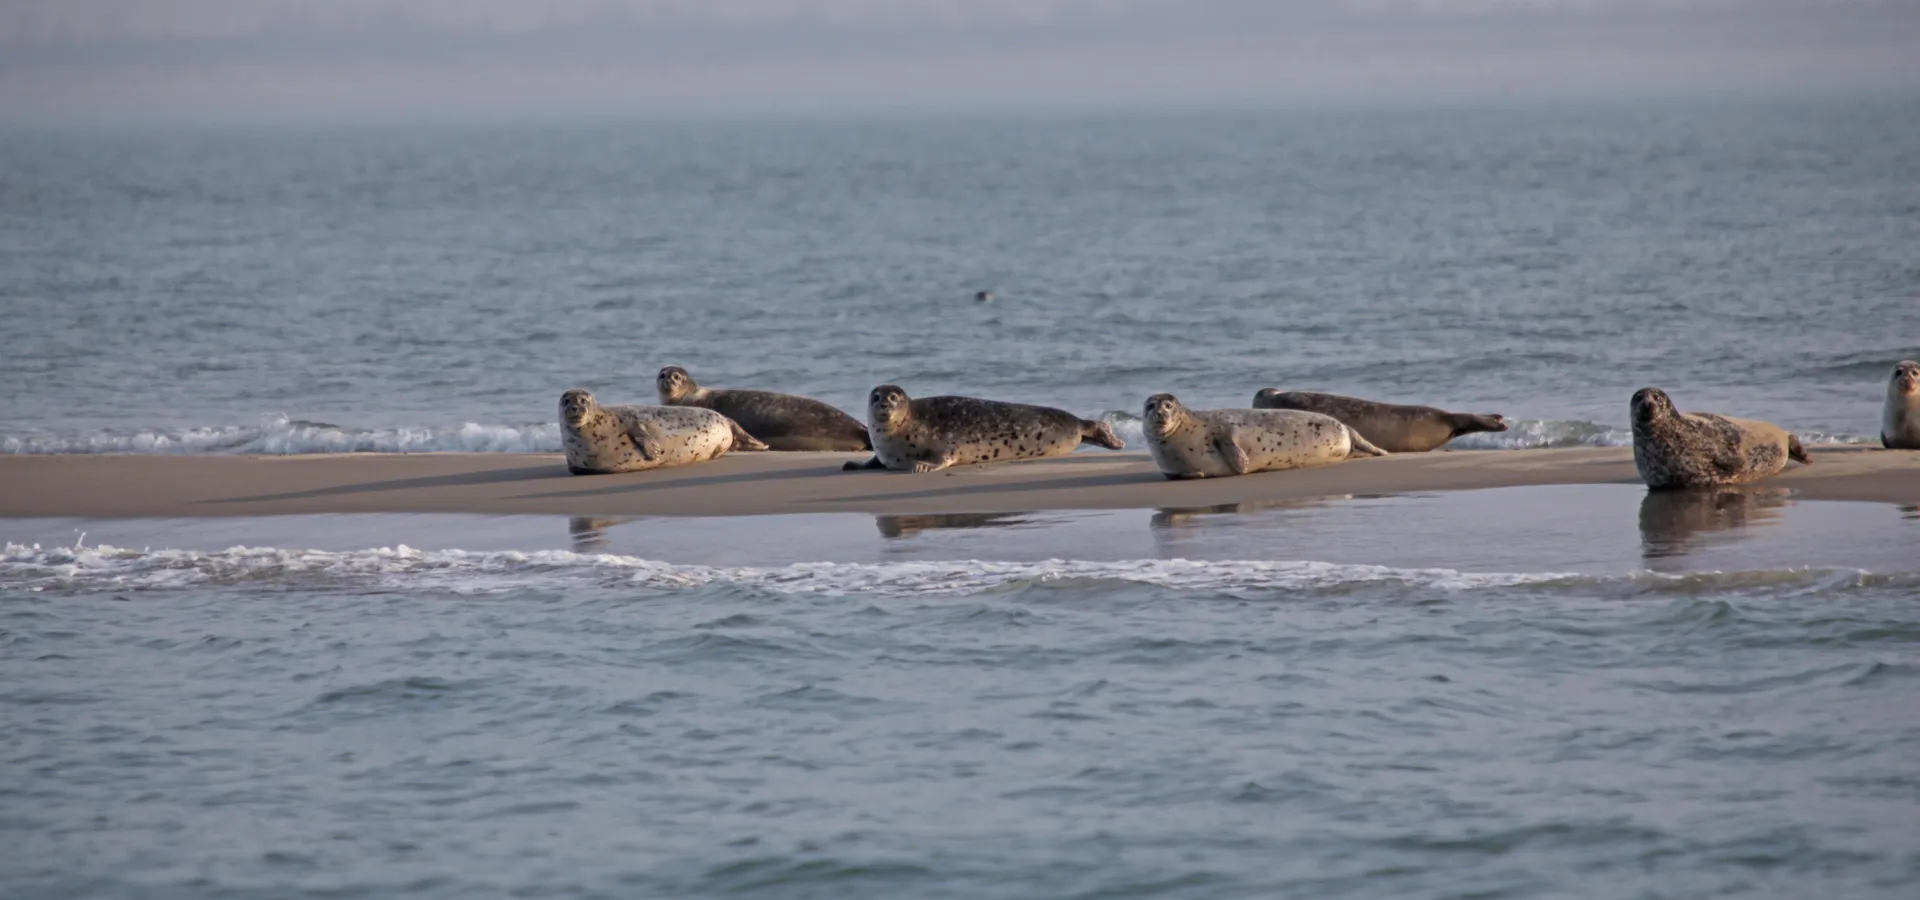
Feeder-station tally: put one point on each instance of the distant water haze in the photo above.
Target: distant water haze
(299, 59)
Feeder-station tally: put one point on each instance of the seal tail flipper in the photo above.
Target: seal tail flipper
(1796, 452)
(744, 441)
(1474, 423)
(1101, 433)
(1361, 446)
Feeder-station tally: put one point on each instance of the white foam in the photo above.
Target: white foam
(33, 567)
(1533, 434)
(280, 435)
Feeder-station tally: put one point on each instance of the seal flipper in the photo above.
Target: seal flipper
(1100, 434)
(1230, 452)
(1474, 423)
(1360, 446)
(742, 440)
(942, 459)
(851, 466)
(642, 436)
(1798, 453)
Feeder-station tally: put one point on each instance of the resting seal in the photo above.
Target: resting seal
(933, 433)
(1214, 443)
(1675, 449)
(782, 421)
(1900, 422)
(603, 439)
(1393, 427)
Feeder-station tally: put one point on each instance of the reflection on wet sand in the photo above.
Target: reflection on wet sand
(590, 533)
(908, 526)
(1674, 523)
(1176, 516)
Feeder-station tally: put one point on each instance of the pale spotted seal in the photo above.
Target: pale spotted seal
(932, 433)
(1214, 443)
(1900, 421)
(782, 421)
(604, 439)
(1393, 427)
(1674, 449)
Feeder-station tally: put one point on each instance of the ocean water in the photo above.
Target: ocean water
(436, 287)
(1570, 691)
(1339, 698)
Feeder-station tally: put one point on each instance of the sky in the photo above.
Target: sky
(143, 58)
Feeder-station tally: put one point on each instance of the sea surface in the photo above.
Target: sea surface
(1583, 691)
(1476, 694)
(209, 289)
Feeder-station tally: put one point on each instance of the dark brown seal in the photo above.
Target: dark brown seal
(1393, 427)
(781, 421)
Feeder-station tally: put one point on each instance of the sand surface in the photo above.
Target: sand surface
(776, 483)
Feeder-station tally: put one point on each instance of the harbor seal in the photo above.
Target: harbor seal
(1393, 427)
(932, 433)
(1674, 449)
(782, 421)
(604, 439)
(1215, 443)
(1900, 421)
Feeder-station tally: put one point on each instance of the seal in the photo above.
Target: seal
(1393, 427)
(605, 439)
(781, 421)
(1215, 443)
(1673, 449)
(932, 433)
(983, 297)
(1900, 421)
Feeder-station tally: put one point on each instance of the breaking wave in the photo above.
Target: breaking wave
(283, 436)
(107, 568)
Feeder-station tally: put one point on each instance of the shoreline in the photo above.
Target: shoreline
(744, 484)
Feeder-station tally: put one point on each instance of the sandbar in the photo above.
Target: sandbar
(109, 486)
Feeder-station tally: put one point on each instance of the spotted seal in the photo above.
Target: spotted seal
(932, 433)
(1393, 427)
(604, 439)
(1674, 449)
(1900, 421)
(782, 421)
(1214, 443)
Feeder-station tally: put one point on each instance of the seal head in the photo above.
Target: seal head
(674, 385)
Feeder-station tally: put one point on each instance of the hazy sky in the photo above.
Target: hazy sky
(105, 58)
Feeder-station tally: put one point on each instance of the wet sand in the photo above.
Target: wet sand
(785, 483)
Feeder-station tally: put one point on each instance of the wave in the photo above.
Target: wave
(106, 568)
(1521, 434)
(283, 436)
